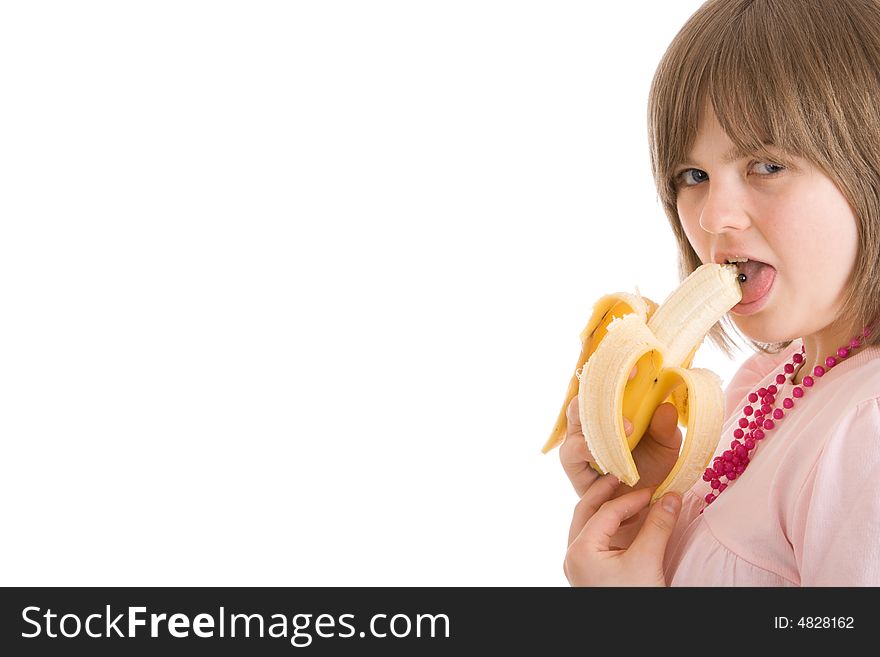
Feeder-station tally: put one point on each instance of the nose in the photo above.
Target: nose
(724, 207)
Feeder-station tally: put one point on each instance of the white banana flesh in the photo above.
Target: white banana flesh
(628, 330)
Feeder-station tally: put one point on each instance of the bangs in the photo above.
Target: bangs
(760, 70)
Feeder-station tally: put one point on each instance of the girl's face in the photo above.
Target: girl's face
(795, 220)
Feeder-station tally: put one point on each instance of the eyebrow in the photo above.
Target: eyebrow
(730, 156)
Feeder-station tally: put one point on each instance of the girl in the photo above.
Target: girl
(765, 143)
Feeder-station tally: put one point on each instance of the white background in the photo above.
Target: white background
(291, 291)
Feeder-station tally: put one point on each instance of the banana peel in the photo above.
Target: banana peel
(627, 330)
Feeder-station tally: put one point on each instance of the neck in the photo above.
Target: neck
(817, 347)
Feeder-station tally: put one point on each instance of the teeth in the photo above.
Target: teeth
(733, 261)
(626, 331)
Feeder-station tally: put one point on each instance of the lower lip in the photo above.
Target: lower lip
(757, 304)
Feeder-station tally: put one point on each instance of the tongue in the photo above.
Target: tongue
(759, 278)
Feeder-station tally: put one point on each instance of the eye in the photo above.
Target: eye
(691, 177)
(767, 168)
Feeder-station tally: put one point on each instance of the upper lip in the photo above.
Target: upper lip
(721, 257)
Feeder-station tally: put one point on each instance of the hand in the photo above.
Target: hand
(654, 457)
(592, 561)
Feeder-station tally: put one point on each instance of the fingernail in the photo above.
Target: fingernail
(671, 502)
(627, 426)
(632, 374)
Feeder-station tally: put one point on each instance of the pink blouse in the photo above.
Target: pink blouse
(806, 512)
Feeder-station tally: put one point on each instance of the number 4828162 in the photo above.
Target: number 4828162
(825, 622)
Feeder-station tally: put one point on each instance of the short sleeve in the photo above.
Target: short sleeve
(836, 529)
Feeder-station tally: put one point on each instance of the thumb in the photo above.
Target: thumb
(664, 427)
(654, 534)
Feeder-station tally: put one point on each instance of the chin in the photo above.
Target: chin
(751, 328)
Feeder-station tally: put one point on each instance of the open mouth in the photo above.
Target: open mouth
(755, 278)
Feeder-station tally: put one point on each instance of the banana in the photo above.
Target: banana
(626, 330)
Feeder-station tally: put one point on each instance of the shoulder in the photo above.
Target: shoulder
(854, 398)
(862, 413)
(855, 438)
(849, 418)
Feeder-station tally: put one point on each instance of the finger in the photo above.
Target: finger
(654, 535)
(664, 427)
(574, 453)
(605, 522)
(597, 494)
(575, 461)
(573, 428)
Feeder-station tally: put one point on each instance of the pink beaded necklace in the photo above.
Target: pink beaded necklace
(733, 462)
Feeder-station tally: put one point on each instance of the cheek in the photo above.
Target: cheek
(842, 225)
(689, 217)
(822, 222)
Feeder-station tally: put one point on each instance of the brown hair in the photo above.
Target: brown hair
(803, 75)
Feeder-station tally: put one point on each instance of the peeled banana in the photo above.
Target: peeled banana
(626, 330)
